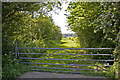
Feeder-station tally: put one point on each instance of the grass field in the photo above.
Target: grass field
(67, 43)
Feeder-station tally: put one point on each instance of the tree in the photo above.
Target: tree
(96, 24)
(26, 22)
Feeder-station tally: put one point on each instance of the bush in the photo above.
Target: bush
(11, 68)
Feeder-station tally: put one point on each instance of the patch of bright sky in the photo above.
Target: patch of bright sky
(61, 20)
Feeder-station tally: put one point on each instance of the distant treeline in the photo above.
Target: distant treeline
(69, 35)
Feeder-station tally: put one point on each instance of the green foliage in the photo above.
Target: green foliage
(29, 24)
(11, 68)
(92, 26)
(96, 24)
(71, 43)
(111, 72)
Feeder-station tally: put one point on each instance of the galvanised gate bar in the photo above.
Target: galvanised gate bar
(44, 61)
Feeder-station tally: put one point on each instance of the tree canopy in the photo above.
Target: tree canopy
(97, 24)
(29, 24)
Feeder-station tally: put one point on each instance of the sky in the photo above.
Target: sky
(61, 19)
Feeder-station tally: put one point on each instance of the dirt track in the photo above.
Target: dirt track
(55, 75)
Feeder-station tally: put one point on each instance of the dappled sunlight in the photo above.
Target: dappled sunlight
(69, 43)
(73, 37)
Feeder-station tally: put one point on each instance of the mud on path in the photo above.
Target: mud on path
(56, 75)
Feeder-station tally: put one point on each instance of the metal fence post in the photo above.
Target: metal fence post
(16, 49)
(62, 60)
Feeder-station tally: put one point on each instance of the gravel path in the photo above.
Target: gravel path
(54, 75)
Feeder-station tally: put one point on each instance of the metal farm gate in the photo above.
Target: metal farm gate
(68, 60)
